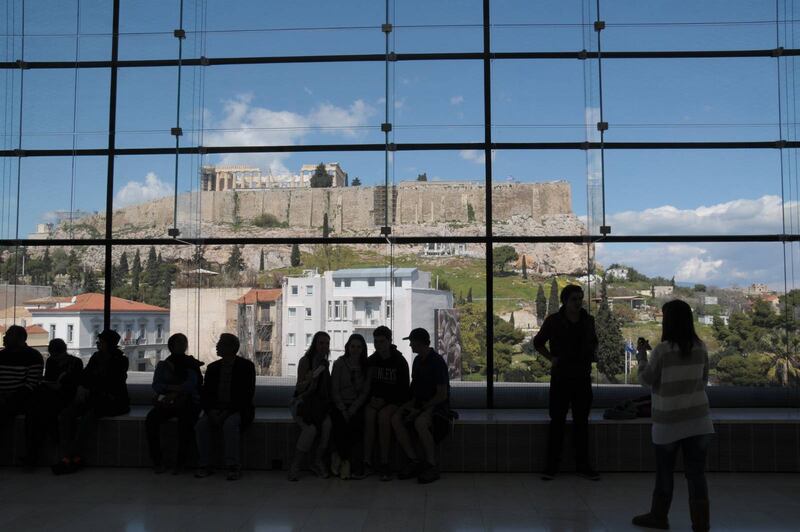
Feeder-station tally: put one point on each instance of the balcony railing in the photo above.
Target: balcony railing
(366, 322)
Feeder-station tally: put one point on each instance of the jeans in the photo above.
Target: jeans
(309, 432)
(347, 434)
(231, 424)
(695, 450)
(75, 424)
(187, 417)
(42, 417)
(566, 392)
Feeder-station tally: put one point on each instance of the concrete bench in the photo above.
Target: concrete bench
(509, 440)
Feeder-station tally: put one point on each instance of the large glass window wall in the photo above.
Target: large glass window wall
(182, 166)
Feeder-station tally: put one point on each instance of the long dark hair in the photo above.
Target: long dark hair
(677, 326)
(312, 349)
(362, 360)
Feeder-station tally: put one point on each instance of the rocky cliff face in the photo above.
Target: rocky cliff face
(414, 209)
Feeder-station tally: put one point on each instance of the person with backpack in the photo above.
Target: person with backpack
(177, 382)
(677, 373)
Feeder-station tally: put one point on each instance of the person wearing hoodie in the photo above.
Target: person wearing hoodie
(569, 340)
(102, 392)
(177, 382)
(389, 388)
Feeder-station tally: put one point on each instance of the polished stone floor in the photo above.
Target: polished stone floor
(137, 500)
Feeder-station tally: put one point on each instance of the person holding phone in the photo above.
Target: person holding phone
(311, 406)
(677, 374)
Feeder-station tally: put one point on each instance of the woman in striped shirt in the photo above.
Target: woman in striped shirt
(677, 373)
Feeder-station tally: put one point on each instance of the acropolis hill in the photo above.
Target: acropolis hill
(416, 209)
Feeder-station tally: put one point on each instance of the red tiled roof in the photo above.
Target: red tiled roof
(93, 302)
(256, 295)
(30, 329)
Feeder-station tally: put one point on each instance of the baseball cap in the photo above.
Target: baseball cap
(419, 334)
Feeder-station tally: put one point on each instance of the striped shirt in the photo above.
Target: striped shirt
(678, 390)
(20, 369)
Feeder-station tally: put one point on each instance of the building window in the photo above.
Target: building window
(347, 283)
(398, 282)
(308, 313)
(142, 333)
(292, 312)
(345, 304)
(309, 290)
(370, 281)
(330, 310)
(52, 331)
(159, 332)
(70, 333)
(308, 339)
(337, 310)
(337, 283)
(294, 290)
(388, 309)
(290, 339)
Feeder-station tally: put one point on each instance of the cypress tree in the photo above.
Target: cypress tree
(553, 304)
(541, 305)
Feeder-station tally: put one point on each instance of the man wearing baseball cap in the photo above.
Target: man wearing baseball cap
(429, 405)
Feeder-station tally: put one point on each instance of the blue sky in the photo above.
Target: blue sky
(647, 192)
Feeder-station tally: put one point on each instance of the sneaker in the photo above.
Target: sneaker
(234, 473)
(588, 473)
(412, 469)
(385, 472)
(344, 472)
(336, 464)
(203, 472)
(429, 474)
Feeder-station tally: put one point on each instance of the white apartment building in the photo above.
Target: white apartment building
(143, 328)
(348, 301)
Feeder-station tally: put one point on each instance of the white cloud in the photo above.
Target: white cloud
(142, 191)
(456, 100)
(762, 215)
(244, 124)
(475, 156)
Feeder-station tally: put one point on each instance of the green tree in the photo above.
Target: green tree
(237, 218)
(235, 263)
(261, 261)
(699, 288)
(511, 320)
(524, 267)
(470, 213)
(356, 182)
(73, 269)
(151, 270)
(502, 255)
(422, 177)
(295, 256)
(541, 305)
(553, 303)
(47, 266)
(736, 370)
(123, 270)
(136, 276)
(473, 340)
(320, 178)
(469, 295)
(326, 230)
(611, 345)
(89, 282)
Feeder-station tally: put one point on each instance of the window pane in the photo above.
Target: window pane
(545, 25)
(427, 27)
(658, 192)
(53, 29)
(665, 100)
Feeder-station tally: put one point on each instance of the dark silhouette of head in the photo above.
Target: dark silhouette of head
(15, 336)
(353, 343)
(382, 340)
(56, 347)
(419, 339)
(569, 291)
(227, 345)
(107, 340)
(178, 344)
(320, 345)
(677, 326)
